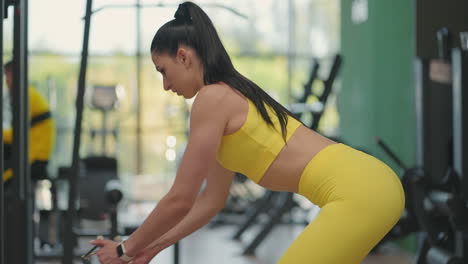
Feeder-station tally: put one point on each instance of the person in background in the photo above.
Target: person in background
(41, 133)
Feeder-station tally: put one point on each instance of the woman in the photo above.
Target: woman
(236, 126)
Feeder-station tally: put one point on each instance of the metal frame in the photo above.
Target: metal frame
(69, 239)
(438, 200)
(2, 234)
(460, 115)
(460, 129)
(420, 81)
(139, 117)
(164, 4)
(21, 183)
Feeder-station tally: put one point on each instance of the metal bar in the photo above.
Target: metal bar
(327, 90)
(28, 186)
(114, 232)
(19, 95)
(460, 129)
(285, 204)
(2, 233)
(177, 252)
(253, 212)
(291, 46)
(390, 153)
(104, 133)
(331, 78)
(457, 113)
(247, 54)
(214, 5)
(20, 155)
(139, 154)
(420, 68)
(460, 117)
(75, 168)
(310, 82)
(422, 250)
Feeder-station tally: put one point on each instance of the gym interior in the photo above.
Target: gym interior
(389, 78)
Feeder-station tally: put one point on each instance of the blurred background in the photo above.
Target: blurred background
(274, 43)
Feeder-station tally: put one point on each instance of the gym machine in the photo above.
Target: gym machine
(436, 188)
(99, 188)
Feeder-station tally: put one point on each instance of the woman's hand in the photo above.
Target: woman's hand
(145, 256)
(108, 252)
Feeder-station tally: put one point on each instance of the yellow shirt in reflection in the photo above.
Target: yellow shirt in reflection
(41, 134)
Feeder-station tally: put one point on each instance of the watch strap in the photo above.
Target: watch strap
(122, 253)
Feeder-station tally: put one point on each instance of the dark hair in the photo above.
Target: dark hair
(192, 27)
(8, 67)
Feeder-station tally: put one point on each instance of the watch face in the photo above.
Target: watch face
(119, 250)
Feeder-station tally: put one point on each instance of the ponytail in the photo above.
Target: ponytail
(192, 27)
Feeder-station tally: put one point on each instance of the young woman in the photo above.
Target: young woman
(236, 126)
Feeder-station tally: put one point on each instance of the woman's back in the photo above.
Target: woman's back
(284, 172)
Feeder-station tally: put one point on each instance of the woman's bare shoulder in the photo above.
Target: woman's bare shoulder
(220, 93)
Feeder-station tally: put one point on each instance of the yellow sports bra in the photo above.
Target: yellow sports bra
(251, 149)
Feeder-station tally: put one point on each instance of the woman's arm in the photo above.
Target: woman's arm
(164, 216)
(207, 205)
(207, 125)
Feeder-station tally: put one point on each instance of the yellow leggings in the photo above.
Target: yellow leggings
(360, 198)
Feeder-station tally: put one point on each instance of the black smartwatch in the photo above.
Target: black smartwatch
(121, 252)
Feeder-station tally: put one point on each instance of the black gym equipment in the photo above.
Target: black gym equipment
(92, 182)
(68, 253)
(407, 223)
(438, 197)
(279, 203)
(100, 189)
(460, 146)
(2, 232)
(73, 174)
(436, 188)
(17, 197)
(241, 198)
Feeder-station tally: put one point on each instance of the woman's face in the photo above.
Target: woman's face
(181, 74)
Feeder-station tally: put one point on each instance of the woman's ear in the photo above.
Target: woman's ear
(183, 56)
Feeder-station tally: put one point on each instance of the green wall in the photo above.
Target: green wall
(376, 97)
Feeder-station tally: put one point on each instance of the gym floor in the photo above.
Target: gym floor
(213, 245)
